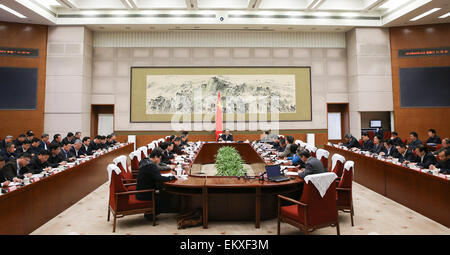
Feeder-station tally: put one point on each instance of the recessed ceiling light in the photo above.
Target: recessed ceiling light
(12, 11)
(445, 15)
(425, 14)
(90, 13)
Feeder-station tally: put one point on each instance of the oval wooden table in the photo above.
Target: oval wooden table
(231, 198)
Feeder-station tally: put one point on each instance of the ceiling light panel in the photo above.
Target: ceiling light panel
(6, 8)
(48, 3)
(161, 4)
(347, 5)
(445, 15)
(223, 4)
(284, 4)
(393, 4)
(425, 14)
(99, 4)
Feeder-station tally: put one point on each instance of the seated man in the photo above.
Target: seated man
(18, 142)
(149, 177)
(78, 136)
(404, 155)
(16, 169)
(4, 142)
(367, 143)
(103, 142)
(266, 137)
(390, 151)
(444, 163)
(3, 181)
(57, 139)
(351, 142)
(76, 149)
(70, 138)
(312, 165)
(282, 145)
(113, 139)
(9, 153)
(276, 143)
(176, 146)
(34, 149)
(39, 163)
(184, 139)
(85, 148)
(165, 157)
(432, 137)
(415, 142)
(425, 158)
(396, 139)
(25, 147)
(65, 152)
(227, 136)
(377, 145)
(109, 141)
(55, 158)
(43, 142)
(287, 151)
(30, 135)
(94, 145)
(295, 159)
(445, 143)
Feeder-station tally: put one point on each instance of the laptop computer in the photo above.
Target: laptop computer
(274, 174)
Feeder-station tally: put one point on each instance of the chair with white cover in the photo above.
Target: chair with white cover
(344, 199)
(167, 138)
(312, 149)
(337, 164)
(123, 202)
(135, 157)
(127, 174)
(160, 141)
(322, 155)
(317, 205)
(143, 151)
(150, 148)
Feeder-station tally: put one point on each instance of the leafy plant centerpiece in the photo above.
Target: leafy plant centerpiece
(229, 162)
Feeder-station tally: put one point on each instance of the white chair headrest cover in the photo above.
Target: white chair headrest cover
(151, 146)
(321, 181)
(136, 154)
(143, 149)
(122, 160)
(322, 153)
(336, 157)
(161, 140)
(110, 169)
(349, 164)
(310, 147)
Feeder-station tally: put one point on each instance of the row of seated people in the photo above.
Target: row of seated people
(29, 160)
(414, 152)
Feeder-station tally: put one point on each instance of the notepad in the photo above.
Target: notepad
(291, 173)
(167, 175)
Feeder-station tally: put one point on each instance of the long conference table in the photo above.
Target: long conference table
(226, 198)
(29, 207)
(424, 193)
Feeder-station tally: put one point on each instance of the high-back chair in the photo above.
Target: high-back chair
(135, 157)
(160, 141)
(150, 148)
(337, 164)
(344, 200)
(123, 202)
(127, 174)
(316, 208)
(167, 138)
(322, 155)
(312, 149)
(143, 151)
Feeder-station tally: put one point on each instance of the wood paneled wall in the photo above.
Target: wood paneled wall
(144, 138)
(418, 119)
(15, 122)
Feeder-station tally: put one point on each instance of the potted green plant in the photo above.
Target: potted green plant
(229, 162)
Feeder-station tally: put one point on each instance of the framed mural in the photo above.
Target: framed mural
(247, 93)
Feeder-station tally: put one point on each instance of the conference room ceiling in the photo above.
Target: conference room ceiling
(246, 15)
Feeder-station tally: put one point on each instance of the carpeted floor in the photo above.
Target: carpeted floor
(374, 214)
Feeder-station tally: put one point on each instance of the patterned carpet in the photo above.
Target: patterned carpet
(374, 214)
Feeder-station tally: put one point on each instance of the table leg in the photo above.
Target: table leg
(205, 207)
(258, 207)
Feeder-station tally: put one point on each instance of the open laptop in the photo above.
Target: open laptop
(274, 174)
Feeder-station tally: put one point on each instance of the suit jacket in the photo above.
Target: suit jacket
(149, 177)
(84, 150)
(397, 141)
(427, 160)
(17, 143)
(55, 142)
(19, 151)
(287, 151)
(36, 166)
(408, 156)
(9, 171)
(353, 143)
(43, 146)
(444, 166)
(412, 145)
(312, 166)
(367, 145)
(392, 151)
(166, 157)
(435, 139)
(8, 156)
(75, 153)
(66, 155)
(54, 160)
(93, 147)
(227, 138)
(378, 148)
(3, 144)
(177, 150)
(69, 141)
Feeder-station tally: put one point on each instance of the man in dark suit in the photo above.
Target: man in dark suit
(415, 142)
(432, 137)
(404, 155)
(39, 163)
(57, 139)
(94, 145)
(390, 149)
(378, 145)
(8, 139)
(367, 143)
(70, 138)
(65, 152)
(397, 140)
(76, 149)
(227, 136)
(287, 151)
(149, 177)
(424, 158)
(9, 153)
(445, 146)
(43, 142)
(184, 139)
(16, 169)
(18, 142)
(102, 144)
(30, 135)
(444, 162)
(312, 165)
(25, 148)
(34, 148)
(351, 142)
(55, 158)
(78, 136)
(177, 146)
(282, 146)
(113, 138)
(166, 157)
(85, 147)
